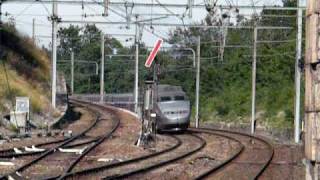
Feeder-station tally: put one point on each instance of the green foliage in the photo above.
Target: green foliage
(25, 67)
(225, 83)
(86, 44)
(23, 55)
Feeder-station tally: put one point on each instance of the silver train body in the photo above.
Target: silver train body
(173, 108)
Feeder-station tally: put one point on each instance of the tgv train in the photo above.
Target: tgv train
(173, 108)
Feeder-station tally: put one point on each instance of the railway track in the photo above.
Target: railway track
(230, 135)
(230, 161)
(11, 152)
(201, 145)
(67, 143)
(87, 173)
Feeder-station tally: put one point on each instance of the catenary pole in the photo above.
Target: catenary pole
(102, 70)
(0, 11)
(198, 82)
(297, 120)
(190, 4)
(54, 53)
(254, 73)
(33, 29)
(136, 77)
(72, 72)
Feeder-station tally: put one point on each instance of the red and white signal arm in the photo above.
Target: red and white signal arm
(153, 53)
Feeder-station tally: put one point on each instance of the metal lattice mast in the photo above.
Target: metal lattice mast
(198, 83)
(297, 120)
(312, 88)
(102, 70)
(54, 19)
(72, 72)
(136, 77)
(254, 74)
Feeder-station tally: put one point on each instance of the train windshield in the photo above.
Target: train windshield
(179, 98)
(165, 98)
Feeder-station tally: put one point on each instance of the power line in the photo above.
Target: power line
(158, 14)
(276, 41)
(30, 23)
(45, 7)
(167, 5)
(164, 7)
(25, 9)
(175, 24)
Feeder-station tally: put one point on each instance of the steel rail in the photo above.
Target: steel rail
(100, 140)
(16, 155)
(52, 150)
(10, 152)
(225, 162)
(269, 145)
(117, 164)
(161, 163)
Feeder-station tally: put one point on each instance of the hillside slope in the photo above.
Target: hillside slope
(24, 71)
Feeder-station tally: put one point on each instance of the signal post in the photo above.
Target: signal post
(148, 133)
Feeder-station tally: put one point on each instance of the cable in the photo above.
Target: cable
(28, 23)
(157, 35)
(168, 10)
(9, 89)
(25, 9)
(45, 7)
(272, 54)
(254, 9)
(164, 7)
(276, 41)
(92, 9)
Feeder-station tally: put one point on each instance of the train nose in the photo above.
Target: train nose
(176, 112)
(175, 109)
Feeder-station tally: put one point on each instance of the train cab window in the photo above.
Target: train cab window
(179, 98)
(165, 98)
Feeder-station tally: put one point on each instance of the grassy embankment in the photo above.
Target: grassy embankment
(27, 69)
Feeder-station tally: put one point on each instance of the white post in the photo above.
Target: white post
(33, 30)
(254, 73)
(197, 83)
(54, 53)
(190, 4)
(316, 171)
(136, 80)
(102, 70)
(297, 121)
(105, 7)
(136, 77)
(72, 72)
(0, 11)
